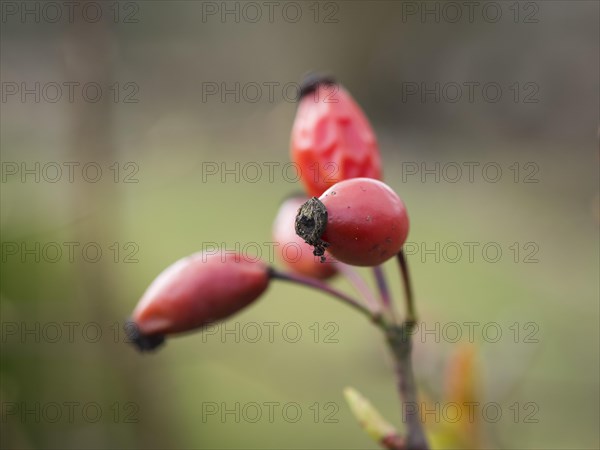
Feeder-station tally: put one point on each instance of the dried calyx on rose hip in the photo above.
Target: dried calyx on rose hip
(332, 139)
(312, 81)
(196, 291)
(291, 249)
(361, 222)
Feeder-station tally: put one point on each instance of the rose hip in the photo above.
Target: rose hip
(332, 139)
(361, 222)
(296, 254)
(195, 291)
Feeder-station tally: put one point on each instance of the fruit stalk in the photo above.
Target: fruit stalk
(384, 293)
(399, 338)
(361, 287)
(400, 343)
(411, 316)
(317, 284)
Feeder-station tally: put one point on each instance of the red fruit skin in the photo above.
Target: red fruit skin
(367, 222)
(291, 250)
(198, 290)
(332, 140)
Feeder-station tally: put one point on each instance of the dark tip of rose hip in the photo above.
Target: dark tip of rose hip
(311, 222)
(312, 81)
(142, 342)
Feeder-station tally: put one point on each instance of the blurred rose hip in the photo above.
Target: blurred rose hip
(332, 139)
(296, 254)
(195, 291)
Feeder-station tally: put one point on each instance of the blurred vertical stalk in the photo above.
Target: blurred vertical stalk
(400, 343)
(90, 50)
(399, 339)
(88, 54)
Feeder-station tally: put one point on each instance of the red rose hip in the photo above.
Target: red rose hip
(195, 291)
(296, 254)
(332, 139)
(361, 222)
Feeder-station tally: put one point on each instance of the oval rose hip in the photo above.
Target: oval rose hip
(296, 254)
(361, 222)
(195, 291)
(332, 139)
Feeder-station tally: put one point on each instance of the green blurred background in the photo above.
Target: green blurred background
(168, 51)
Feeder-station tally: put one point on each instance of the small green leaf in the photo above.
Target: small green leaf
(368, 417)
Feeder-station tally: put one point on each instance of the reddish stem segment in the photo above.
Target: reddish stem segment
(382, 286)
(359, 284)
(411, 316)
(384, 293)
(317, 284)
